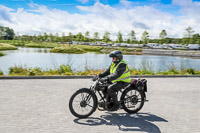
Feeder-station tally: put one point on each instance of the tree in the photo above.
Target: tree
(1, 32)
(79, 37)
(189, 32)
(119, 37)
(145, 37)
(196, 38)
(128, 40)
(163, 34)
(106, 36)
(51, 37)
(63, 38)
(87, 36)
(56, 37)
(96, 36)
(70, 37)
(132, 37)
(6, 33)
(45, 36)
(40, 38)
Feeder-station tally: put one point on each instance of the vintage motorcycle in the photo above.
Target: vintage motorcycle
(84, 101)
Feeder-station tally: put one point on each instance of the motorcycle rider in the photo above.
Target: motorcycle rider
(118, 75)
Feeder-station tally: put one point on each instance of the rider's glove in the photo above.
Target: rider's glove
(95, 77)
(104, 79)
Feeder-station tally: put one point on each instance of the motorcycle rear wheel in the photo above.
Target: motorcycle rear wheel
(83, 103)
(133, 100)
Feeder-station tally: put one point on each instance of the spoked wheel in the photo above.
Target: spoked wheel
(133, 100)
(83, 103)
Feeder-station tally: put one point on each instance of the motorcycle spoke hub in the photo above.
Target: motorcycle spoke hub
(134, 100)
(83, 104)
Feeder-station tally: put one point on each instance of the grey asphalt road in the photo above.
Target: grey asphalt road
(41, 106)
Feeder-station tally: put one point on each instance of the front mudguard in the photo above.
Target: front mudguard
(87, 89)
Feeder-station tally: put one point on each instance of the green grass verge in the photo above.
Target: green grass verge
(67, 70)
(41, 45)
(5, 46)
(123, 50)
(67, 49)
(76, 49)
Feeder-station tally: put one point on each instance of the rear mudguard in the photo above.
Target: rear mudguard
(145, 98)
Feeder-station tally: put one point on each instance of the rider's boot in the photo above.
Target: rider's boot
(102, 104)
(116, 104)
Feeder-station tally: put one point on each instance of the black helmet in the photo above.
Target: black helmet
(117, 54)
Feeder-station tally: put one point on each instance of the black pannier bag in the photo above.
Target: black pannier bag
(140, 84)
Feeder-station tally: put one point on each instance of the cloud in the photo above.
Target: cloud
(100, 18)
(189, 14)
(125, 2)
(5, 13)
(141, 25)
(83, 1)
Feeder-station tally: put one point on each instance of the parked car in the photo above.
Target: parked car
(193, 46)
(116, 44)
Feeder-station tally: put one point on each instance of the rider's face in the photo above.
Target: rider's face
(114, 59)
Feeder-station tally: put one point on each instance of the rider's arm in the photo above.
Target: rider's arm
(105, 73)
(120, 70)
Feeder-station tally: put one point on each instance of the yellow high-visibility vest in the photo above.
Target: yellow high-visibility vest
(125, 77)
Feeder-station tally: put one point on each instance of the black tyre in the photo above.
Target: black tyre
(83, 103)
(133, 100)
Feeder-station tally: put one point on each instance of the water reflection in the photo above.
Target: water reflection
(41, 57)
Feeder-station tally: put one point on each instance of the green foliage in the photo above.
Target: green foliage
(190, 71)
(18, 70)
(6, 33)
(2, 54)
(1, 72)
(189, 32)
(34, 71)
(145, 37)
(106, 36)
(5, 46)
(96, 36)
(78, 49)
(18, 43)
(119, 37)
(89, 48)
(133, 51)
(67, 70)
(79, 37)
(163, 34)
(64, 69)
(132, 38)
(41, 45)
(67, 49)
(87, 36)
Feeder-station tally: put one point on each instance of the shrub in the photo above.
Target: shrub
(18, 70)
(1, 72)
(34, 71)
(2, 54)
(190, 71)
(64, 69)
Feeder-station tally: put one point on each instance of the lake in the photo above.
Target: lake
(41, 57)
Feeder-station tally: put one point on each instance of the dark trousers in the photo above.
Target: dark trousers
(113, 88)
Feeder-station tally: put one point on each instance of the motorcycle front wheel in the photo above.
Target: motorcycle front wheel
(83, 103)
(132, 100)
